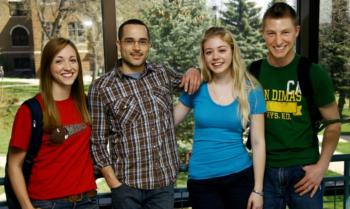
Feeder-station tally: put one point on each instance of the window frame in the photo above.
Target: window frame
(109, 28)
(308, 41)
(17, 9)
(13, 32)
(76, 31)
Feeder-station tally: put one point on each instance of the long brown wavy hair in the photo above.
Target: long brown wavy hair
(50, 113)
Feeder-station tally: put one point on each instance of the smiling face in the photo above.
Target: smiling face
(134, 47)
(280, 35)
(64, 68)
(217, 55)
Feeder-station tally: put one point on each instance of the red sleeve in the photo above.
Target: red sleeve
(21, 129)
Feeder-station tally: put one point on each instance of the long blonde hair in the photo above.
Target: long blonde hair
(50, 114)
(243, 81)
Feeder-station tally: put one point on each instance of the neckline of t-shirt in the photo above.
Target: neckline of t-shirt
(69, 99)
(213, 101)
(284, 68)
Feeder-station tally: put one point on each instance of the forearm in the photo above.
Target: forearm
(258, 147)
(191, 80)
(180, 111)
(259, 165)
(110, 177)
(18, 183)
(329, 143)
(331, 134)
(20, 189)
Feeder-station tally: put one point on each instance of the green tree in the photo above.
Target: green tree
(176, 27)
(335, 49)
(130, 9)
(242, 18)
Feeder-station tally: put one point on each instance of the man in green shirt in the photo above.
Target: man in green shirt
(295, 168)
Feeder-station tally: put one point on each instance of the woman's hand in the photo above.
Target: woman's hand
(255, 201)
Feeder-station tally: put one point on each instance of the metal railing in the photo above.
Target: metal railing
(337, 187)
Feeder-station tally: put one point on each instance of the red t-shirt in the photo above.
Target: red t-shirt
(58, 170)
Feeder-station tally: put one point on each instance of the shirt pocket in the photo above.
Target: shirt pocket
(162, 97)
(126, 111)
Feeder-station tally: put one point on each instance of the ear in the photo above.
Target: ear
(297, 29)
(117, 43)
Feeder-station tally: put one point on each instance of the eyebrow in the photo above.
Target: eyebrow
(221, 46)
(135, 39)
(61, 57)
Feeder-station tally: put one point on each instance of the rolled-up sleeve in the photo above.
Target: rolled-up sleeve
(100, 129)
(175, 79)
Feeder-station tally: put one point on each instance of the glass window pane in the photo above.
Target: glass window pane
(78, 20)
(23, 35)
(76, 31)
(176, 28)
(20, 37)
(334, 46)
(82, 24)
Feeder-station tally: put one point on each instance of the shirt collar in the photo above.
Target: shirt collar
(148, 69)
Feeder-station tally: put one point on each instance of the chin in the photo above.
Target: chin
(136, 62)
(68, 84)
(279, 55)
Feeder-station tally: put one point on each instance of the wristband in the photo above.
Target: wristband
(258, 193)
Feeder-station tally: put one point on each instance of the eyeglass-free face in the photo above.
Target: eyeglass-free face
(134, 48)
(218, 55)
(64, 69)
(280, 35)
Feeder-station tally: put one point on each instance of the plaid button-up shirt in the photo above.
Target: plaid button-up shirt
(135, 116)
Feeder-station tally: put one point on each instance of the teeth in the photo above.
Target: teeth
(67, 75)
(279, 47)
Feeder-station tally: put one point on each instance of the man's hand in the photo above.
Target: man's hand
(191, 80)
(314, 173)
(311, 181)
(110, 177)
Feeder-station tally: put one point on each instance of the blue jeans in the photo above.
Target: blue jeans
(279, 190)
(225, 192)
(126, 197)
(85, 203)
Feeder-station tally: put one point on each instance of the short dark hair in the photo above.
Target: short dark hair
(131, 22)
(280, 10)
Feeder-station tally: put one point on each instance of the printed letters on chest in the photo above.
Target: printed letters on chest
(282, 104)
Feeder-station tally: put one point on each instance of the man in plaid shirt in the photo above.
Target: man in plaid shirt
(131, 109)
